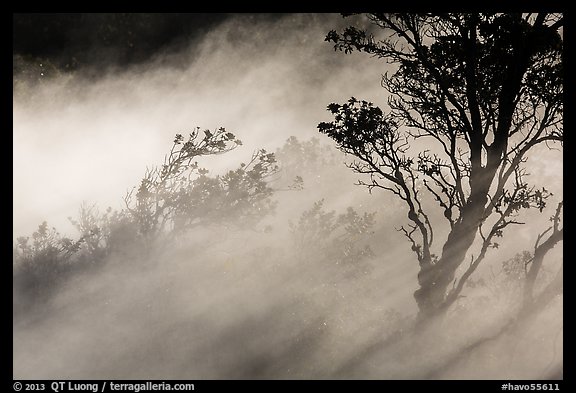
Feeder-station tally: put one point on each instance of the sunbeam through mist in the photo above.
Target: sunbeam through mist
(182, 217)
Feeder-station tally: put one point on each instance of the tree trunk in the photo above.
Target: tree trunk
(435, 279)
(537, 261)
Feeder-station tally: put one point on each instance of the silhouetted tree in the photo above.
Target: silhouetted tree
(155, 200)
(544, 243)
(486, 89)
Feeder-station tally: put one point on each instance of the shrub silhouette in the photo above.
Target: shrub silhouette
(171, 200)
(340, 239)
(42, 261)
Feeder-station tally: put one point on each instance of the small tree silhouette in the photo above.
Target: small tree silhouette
(153, 205)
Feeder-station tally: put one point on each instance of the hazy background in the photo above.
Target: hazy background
(93, 138)
(229, 304)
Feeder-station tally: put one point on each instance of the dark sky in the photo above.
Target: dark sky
(74, 40)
